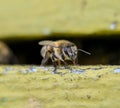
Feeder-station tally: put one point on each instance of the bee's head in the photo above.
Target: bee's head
(71, 51)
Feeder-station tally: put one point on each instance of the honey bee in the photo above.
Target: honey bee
(63, 53)
(57, 51)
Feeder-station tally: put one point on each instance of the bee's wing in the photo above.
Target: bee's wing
(46, 42)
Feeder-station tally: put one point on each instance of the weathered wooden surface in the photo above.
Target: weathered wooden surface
(36, 87)
(42, 17)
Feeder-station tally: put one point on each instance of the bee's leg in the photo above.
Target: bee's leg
(55, 68)
(65, 65)
(63, 60)
(44, 60)
(59, 63)
(54, 64)
(75, 62)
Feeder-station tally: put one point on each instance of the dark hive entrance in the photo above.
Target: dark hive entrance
(105, 50)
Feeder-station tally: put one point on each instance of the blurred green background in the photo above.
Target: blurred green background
(93, 25)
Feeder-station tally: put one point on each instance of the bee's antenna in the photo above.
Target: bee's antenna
(84, 51)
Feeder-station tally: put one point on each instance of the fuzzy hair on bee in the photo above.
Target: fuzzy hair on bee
(60, 51)
(46, 53)
(61, 48)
